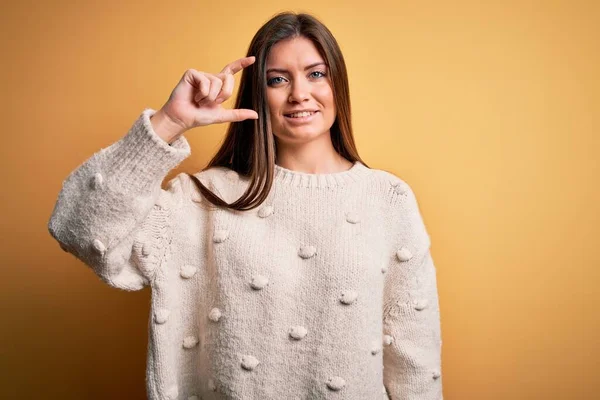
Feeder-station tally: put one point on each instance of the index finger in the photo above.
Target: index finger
(238, 65)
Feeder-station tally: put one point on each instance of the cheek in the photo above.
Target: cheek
(271, 104)
(275, 104)
(329, 103)
(326, 96)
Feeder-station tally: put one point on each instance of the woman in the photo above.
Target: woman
(286, 269)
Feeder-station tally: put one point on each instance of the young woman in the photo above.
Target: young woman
(287, 268)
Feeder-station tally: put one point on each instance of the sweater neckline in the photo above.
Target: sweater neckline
(290, 177)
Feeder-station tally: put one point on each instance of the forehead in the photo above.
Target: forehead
(297, 52)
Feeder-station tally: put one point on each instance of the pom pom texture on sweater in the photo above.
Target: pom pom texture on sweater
(327, 290)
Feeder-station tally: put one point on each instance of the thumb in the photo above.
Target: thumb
(236, 115)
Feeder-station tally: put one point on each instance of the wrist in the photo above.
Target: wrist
(165, 127)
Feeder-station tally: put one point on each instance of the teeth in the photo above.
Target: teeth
(301, 114)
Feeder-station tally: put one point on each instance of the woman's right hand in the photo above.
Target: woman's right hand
(196, 101)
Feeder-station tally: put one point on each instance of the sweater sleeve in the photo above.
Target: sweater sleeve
(411, 315)
(111, 212)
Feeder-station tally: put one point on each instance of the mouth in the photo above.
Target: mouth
(300, 117)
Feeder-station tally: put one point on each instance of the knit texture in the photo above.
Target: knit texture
(327, 290)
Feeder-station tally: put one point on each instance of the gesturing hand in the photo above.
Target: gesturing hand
(196, 100)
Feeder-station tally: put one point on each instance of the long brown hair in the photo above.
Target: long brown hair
(249, 147)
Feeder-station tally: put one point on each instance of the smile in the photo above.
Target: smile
(303, 117)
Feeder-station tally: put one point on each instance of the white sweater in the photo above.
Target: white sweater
(327, 290)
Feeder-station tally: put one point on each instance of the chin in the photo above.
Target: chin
(303, 137)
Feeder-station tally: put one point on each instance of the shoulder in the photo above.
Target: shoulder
(183, 187)
(219, 174)
(394, 188)
(222, 181)
(403, 208)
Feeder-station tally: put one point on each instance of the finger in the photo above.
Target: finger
(236, 115)
(227, 88)
(215, 87)
(238, 65)
(198, 80)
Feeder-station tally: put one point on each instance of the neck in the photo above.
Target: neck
(317, 156)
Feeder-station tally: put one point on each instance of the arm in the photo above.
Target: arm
(411, 315)
(112, 213)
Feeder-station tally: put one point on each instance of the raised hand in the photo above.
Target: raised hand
(196, 101)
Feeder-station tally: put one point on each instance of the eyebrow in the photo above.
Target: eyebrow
(286, 71)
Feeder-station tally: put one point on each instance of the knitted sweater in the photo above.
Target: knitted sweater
(327, 290)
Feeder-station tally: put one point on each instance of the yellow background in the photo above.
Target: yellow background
(489, 110)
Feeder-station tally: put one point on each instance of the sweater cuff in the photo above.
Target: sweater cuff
(142, 159)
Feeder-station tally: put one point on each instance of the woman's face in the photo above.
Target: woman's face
(294, 82)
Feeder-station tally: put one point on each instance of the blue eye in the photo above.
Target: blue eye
(272, 80)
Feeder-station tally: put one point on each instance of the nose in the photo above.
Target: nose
(300, 91)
